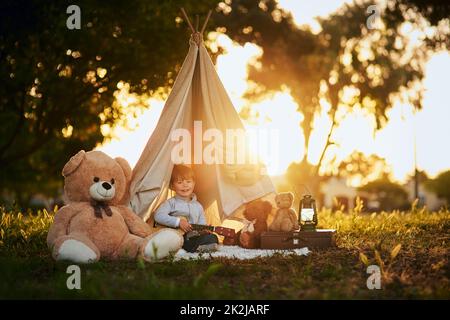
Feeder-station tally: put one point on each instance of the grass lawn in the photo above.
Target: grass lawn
(411, 248)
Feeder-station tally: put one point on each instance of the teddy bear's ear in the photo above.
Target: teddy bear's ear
(291, 195)
(73, 163)
(125, 168)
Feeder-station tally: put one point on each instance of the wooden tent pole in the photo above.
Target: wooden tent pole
(206, 22)
(196, 22)
(187, 20)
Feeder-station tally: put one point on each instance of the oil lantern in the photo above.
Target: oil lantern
(308, 213)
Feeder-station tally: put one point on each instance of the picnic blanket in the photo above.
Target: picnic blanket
(236, 252)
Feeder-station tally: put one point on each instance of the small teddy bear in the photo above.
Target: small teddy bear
(286, 218)
(95, 224)
(256, 213)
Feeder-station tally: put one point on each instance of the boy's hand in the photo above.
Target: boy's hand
(185, 226)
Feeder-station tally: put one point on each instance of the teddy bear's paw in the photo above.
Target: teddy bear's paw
(245, 240)
(161, 244)
(287, 226)
(75, 251)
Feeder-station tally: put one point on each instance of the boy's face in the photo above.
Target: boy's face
(184, 187)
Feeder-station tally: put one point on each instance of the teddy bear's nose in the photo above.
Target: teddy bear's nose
(106, 185)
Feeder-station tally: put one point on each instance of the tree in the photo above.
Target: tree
(347, 64)
(360, 168)
(434, 11)
(59, 85)
(441, 186)
(390, 195)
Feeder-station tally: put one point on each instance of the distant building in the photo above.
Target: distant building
(337, 188)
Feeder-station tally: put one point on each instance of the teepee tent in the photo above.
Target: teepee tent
(197, 95)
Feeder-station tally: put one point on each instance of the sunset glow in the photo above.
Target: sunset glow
(356, 129)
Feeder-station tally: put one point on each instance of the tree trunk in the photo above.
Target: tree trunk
(328, 142)
(315, 181)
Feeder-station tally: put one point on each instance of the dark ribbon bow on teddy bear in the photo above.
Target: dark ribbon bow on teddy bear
(98, 206)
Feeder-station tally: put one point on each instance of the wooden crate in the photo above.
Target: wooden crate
(322, 238)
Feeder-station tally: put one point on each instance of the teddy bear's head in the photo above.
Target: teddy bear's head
(257, 209)
(96, 176)
(284, 200)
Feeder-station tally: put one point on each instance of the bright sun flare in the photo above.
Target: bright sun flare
(279, 113)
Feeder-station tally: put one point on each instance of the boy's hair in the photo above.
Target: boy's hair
(181, 172)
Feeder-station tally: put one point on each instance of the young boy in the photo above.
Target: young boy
(185, 204)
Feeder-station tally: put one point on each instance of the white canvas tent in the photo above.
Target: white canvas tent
(197, 95)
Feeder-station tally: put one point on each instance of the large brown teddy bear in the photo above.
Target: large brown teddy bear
(94, 224)
(285, 219)
(256, 214)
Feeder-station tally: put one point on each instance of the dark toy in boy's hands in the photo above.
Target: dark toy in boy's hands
(198, 228)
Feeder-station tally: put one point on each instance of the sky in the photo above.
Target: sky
(429, 127)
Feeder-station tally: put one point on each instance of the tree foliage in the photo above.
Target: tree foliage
(59, 85)
(441, 186)
(390, 195)
(347, 65)
(357, 166)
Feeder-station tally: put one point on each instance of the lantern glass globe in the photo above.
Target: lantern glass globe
(307, 214)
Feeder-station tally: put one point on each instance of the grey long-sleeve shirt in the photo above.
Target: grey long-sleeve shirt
(171, 210)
